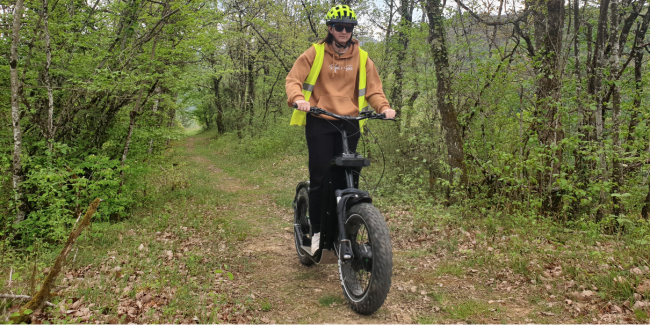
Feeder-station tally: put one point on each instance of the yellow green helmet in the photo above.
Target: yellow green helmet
(341, 14)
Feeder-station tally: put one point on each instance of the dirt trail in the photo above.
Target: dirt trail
(294, 293)
(221, 250)
(431, 283)
(298, 294)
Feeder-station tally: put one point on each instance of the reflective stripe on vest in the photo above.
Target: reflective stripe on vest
(300, 117)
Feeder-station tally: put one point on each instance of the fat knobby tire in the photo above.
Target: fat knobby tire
(382, 265)
(303, 196)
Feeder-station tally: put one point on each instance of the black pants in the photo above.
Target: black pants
(325, 142)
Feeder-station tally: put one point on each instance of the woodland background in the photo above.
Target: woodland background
(535, 109)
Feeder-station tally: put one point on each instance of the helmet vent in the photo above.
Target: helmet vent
(341, 14)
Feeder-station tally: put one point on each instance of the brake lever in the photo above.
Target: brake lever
(383, 117)
(312, 110)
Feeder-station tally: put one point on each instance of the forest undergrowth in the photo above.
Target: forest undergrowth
(211, 242)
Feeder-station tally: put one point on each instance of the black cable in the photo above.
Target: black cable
(363, 178)
(383, 157)
(349, 135)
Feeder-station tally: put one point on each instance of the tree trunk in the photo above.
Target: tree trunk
(493, 40)
(616, 106)
(390, 25)
(17, 170)
(217, 104)
(154, 109)
(638, 76)
(172, 115)
(48, 80)
(445, 103)
(549, 19)
(645, 211)
(403, 41)
(132, 115)
(581, 168)
(638, 95)
(599, 93)
(250, 103)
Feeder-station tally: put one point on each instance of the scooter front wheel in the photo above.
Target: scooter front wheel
(366, 279)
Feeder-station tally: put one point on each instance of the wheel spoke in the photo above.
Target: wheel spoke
(358, 272)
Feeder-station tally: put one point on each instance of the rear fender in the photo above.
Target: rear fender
(304, 184)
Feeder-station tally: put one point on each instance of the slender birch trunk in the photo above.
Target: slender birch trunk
(616, 105)
(598, 76)
(48, 80)
(15, 113)
(581, 167)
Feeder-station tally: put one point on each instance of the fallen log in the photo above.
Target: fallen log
(25, 312)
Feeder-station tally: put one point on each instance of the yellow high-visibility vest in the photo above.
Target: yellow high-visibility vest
(300, 117)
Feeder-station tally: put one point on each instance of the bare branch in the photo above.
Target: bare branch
(518, 17)
(23, 297)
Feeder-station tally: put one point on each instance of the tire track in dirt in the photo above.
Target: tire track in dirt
(287, 291)
(422, 290)
(291, 292)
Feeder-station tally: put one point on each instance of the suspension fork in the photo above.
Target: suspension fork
(345, 252)
(346, 246)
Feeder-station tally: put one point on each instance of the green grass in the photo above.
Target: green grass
(449, 269)
(265, 305)
(328, 300)
(436, 296)
(469, 310)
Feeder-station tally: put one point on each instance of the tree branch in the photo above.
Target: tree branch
(23, 297)
(518, 17)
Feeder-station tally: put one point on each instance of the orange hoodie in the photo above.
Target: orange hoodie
(337, 86)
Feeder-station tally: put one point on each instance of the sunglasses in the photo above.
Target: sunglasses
(339, 28)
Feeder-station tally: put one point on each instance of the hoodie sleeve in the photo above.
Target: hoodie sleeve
(298, 75)
(374, 90)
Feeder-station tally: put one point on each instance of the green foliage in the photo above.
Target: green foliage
(266, 305)
(277, 138)
(59, 188)
(469, 309)
(111, 64)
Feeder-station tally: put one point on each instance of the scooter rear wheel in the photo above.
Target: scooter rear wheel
(300, 218)
(366, 279)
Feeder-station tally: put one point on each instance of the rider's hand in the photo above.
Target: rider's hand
(390, 113)
(303, 105)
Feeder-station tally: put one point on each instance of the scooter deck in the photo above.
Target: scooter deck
(327, 256)
(307, 249)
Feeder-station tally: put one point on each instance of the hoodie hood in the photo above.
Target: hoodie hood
(354, 50)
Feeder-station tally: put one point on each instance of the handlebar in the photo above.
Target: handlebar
(362, 115)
